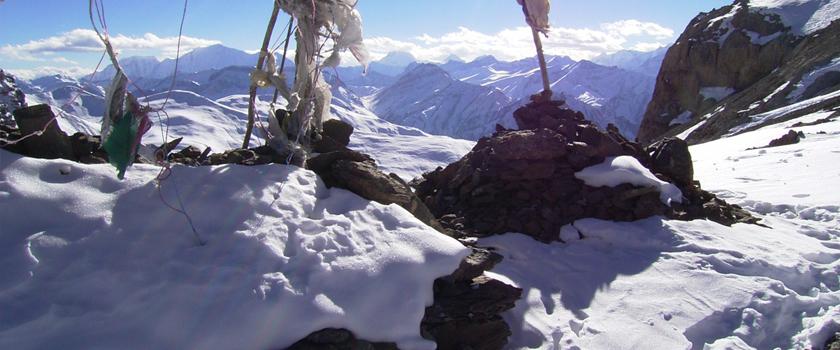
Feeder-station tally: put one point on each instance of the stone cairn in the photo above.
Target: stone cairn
(524, 180)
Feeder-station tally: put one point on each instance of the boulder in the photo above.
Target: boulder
(52, 143)
(466, 314)
(338, 131)
(791, 138)
(338, 339)
(672, 158)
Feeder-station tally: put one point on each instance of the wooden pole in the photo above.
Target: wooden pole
(252, 101)
(543, 68)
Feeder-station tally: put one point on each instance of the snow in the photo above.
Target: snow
(774, 179)
(809, 78)
(683, 118)
(716, 93)
(659, 284)
(655, 284)
(615, 171)
(760, 119)
(405, 151)
(802, 16)
(87, 261)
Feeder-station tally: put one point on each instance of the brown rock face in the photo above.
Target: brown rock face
(714, 52)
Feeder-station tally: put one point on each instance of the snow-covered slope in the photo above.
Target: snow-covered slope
(657, 284)
(428, 98)
(405, 151)
(90, 262)
(804, 17)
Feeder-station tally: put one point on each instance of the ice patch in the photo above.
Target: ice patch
(683, 118)
(716, 93)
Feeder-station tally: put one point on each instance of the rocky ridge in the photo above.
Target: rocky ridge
(11, 98)
(736, 62)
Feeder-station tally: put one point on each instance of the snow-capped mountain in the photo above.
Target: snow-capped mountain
(201, 59)
(393, 64)
(647, 63)
(428, 98)
(767, 55)
(604, 94)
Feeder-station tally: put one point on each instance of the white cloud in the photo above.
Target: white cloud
(86, 40)
(72, 71)
(517, 43)
(633, 27)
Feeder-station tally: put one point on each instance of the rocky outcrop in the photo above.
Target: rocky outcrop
(36, 133)
(524, 180)
(791, 138)
(735, 62)
(11, 99)
(717, 50)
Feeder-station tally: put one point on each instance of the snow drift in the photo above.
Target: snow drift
(87, 261)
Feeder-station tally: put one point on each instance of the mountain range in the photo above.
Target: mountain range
(458, 99)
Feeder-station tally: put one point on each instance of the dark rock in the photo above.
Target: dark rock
(358, 173)
(52, 143)
(475, 264)
(465, 315)
(791, 138)
(672, 158)
(546, 114)
(364, 179)
(833, 343)
(338, 130)
(338, 339)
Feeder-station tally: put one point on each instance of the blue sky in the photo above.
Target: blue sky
(48, 36)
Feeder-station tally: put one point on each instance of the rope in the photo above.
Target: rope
(165, 170)
(165, 165)
(177, 55)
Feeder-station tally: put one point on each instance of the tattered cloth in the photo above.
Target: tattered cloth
(536, 12)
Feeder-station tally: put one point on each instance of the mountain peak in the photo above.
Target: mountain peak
(453, 58)
(425, 70)
(398, 58)
(486, 59)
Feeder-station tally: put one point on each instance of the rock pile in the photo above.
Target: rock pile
(524, 180)
(47, 140)
(791, 138)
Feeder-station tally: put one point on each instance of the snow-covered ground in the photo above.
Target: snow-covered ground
(658, 284)
(90, 262)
